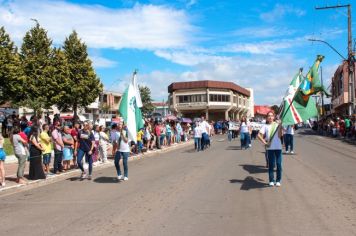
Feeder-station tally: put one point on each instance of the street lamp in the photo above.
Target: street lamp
(351, 87)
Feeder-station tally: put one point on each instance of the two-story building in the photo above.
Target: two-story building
(216, 100)
(341, 97)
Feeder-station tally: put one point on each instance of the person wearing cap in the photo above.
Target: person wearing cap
(58, 148)
(86, 144)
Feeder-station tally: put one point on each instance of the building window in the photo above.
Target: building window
(341, 84)
(191, 98)
(219, 98)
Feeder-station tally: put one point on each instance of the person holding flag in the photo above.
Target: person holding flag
(131, 114)
(270, 135)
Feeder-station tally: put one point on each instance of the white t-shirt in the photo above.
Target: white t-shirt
(266, 130)
(204, 127)
(124, 147)
(290, 129)
(244, 128)
(197, 132)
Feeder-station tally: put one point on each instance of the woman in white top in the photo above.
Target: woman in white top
(123, 151)
(103, 143)
(245, 131)
(270, 135)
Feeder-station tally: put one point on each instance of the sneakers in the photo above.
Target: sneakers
(119, 177)
(3, 184)
(287, 151)
(249, 145)
(271, 183)
(125, 179)
(83, 176)
(89, 177)
(291, 152)
(278, 184)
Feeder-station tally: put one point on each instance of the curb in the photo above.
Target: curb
(56, 178)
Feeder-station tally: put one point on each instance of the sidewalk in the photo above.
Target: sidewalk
(11, 169)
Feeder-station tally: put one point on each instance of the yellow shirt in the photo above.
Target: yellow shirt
(45, 141)
(139, 136)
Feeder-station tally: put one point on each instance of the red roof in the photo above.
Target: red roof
(262, 110)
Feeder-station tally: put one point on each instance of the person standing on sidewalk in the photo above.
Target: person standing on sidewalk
(45, 141)
(58, 148)
(36, 169)
(21, 153)
(68, 142)
(205, 128)
(123, 151)
(271, 135)
(103, 144)
(86, 144)
(2, 160)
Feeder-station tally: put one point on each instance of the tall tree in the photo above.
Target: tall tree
(147, 106)
(11, 79)
(43, 80)
(84, 85)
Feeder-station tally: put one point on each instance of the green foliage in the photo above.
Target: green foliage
(11, 79)
(45, 70)
(147, 106)
(83, 86)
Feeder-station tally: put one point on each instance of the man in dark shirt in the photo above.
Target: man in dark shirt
(86, 144)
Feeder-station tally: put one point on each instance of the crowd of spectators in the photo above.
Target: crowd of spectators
(339, 126)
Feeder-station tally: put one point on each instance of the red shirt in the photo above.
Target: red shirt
(23, 136)
(158, 130)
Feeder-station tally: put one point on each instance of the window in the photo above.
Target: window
(191, 98)
(219, 98)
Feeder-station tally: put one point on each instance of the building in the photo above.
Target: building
(161, 108)
(261, 111)
(216, 100)
(341, 86)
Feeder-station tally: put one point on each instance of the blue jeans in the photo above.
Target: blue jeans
(229, 135)
(245, 140)
(204, 140)
(169, 138)
(139, 146)
(274, 156)
(88, 159)
(125, 156)
(197, 142)
(178, 138)
(289, 142)
(46, 158)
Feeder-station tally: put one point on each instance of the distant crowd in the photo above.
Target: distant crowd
(337, 127)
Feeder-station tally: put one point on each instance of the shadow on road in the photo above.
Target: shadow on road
(106, 180)
(249, 183)
(253, 169)
(233, 148)
(75, 179)
(190, 151)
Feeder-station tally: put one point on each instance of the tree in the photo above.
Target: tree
(147, 106)
(11, 79)
(44, 70)
(83, 86)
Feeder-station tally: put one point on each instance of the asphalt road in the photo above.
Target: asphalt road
(221, 191)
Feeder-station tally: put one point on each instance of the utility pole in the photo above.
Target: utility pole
(350, 58)
(322, 93)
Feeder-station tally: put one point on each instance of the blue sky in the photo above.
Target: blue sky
(256, 44)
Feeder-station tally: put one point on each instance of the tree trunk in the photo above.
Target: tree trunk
(75, 116)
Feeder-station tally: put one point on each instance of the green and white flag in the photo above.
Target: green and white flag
(295, 112)
(130, 109)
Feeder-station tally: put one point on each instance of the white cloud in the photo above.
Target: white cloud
(263, 32)
(268, 75)
(101, 62)
(142, 27)
(279, 11)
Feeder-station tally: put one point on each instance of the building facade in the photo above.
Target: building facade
(161, 108)
(341, 87)
(216, 100)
